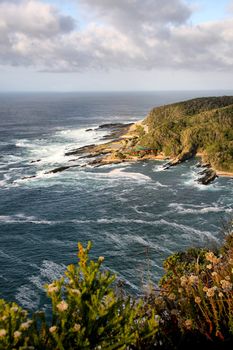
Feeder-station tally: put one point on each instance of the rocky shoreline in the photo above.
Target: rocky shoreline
(120, 145)
(123, 150)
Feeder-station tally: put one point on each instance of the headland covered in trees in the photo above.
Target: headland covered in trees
(177, 132)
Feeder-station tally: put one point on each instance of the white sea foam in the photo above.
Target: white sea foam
(122, 220)
(60, 243)
(128, 175)
(146, 243)
(142, 212)
(190, 231)
(159, 168)
(23, 143)
(49, 152)
(187, 230)
(48, 272)
(106, 180)
(156, 185)
(192, 178)
(27, 297)
(57, 143)
(81, 137)
(116, 238)
(40, 175)
(12, 159)
(21, 218)
(3, 183)
(195, 209)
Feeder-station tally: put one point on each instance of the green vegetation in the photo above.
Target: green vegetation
(203, 125)
(193, 307)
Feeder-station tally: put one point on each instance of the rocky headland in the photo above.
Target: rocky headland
(201, 127)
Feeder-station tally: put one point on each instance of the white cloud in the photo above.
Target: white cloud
(229, 7)
(120, 34)
(33, 18)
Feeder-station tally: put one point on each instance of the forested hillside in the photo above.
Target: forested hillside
(202, 125)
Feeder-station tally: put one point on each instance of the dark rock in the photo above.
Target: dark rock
(95, 154)
(88, 129)
(73, 160)
(209, 175)
(100, 162)
(202, 172)
(53, 171)
(61, 168)
(58, 170)
(28, 177)
(206, 165)
(185, 155)
(114, 125)
(80, 150)
(203, 165)
(116, 130)
(173, 162)
(167, 165)
(35, 161)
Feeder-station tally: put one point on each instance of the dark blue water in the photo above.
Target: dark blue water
(135, 214)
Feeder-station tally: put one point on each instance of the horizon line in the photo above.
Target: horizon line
(110, 91)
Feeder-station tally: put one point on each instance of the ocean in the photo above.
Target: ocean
(136, 214)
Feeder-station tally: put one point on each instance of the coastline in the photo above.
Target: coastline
(113, 147)
(120, 145)
(224, 173)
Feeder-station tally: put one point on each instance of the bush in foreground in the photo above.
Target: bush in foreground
(86, 314)
(193, 307)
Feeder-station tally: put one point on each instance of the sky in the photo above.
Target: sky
(116, 45)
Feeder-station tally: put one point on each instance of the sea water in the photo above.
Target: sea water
(136, 214)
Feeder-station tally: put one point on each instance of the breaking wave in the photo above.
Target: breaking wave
(196, 209)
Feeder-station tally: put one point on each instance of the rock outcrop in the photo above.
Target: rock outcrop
(208, 176)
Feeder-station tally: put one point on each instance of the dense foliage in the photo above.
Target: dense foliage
(192, 307)
(203, 125)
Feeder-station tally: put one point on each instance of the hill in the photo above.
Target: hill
(198, 126)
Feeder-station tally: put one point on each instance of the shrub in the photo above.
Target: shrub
(86, 314)
(196, 294)
(193, 307)
(15, 327)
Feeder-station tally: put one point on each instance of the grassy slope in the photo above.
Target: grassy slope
(202, 125)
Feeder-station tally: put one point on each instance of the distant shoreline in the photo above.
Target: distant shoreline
(125, 138)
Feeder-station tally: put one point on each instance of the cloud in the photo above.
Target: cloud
(139, 18)
(229, 6)
(119, 34)
(33, 18)
(128, 12)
